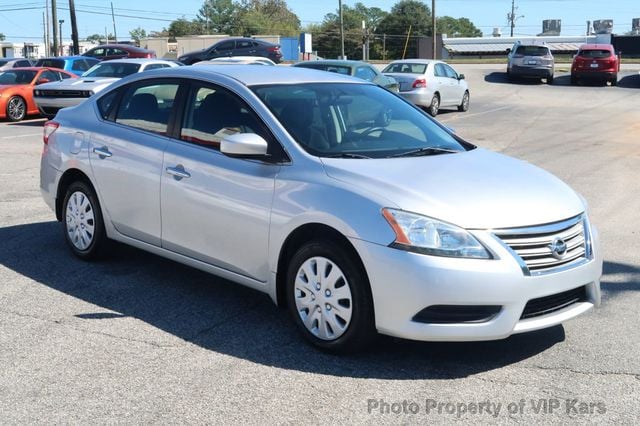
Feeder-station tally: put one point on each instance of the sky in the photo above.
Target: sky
(23, 21)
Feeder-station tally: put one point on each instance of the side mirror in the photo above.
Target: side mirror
(43, 81)
(460, 76)
(244, 145)
(508, 50)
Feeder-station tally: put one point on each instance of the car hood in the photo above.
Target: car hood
(477, 189)
(83, 83)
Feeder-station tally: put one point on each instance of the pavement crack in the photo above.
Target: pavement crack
(589, 373)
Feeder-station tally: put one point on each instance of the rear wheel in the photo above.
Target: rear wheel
(574, 80)
(464, 105)
(550, 79)
(82, 222)
(329, 297)
(614, 80)
(434, 107)
(16, 108)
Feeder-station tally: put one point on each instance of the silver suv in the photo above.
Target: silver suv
(530, 60)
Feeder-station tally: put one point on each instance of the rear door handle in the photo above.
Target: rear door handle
(103, 152)
(178, 172)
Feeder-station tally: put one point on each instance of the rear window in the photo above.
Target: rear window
(331, 68)
(50, 63)
(532, 50)
(113, 69)
(595, 53)
(406, 68)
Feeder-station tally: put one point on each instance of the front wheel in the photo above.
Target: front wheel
(82, 222)
(434, 107)
(614, 80)
(16, 109)
(464, 105)
(550, 79)
(329, 297)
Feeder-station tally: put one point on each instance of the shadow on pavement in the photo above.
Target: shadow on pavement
(502, 78)
(227, 318)
(630, 81)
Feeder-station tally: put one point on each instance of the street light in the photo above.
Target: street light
(61, 21)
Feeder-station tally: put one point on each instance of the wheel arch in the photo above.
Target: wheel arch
(295, 240)
(69, 176)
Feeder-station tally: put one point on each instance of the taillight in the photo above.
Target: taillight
(421, 82)
(273, 49)
(49, 127)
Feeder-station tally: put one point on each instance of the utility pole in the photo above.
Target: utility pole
(47, 44)
(61, 21)
(74, 28)
(54, 21)
(511, 17)
(341, 31)
(113, 18)
(433, 24)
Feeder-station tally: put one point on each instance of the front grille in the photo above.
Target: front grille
(555, 302)
(63, 93)
(548, 248)
(49, 111)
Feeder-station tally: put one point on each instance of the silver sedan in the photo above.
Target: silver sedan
(430, 84)
(337, 198)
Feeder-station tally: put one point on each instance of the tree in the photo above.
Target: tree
(267, 17)
(219, 16)
(183, 27)
(453, 27)
(1, 37)
(405, 15)
(99, 38)
(138, 34)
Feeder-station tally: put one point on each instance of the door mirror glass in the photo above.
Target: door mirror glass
(244, 145)
(460, 76)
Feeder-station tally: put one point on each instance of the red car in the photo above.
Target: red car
(595, 62)
(105, 52)
(16, 89)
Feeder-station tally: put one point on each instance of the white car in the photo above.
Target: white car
(430, 84)
(238, 60)
(51, 97)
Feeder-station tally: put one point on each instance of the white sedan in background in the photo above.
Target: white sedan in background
(51, 97)
(430, 84)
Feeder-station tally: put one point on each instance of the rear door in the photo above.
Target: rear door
(244, 48)
(126, 155)
(458, 87)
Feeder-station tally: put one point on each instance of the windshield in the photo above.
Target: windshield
(354, 120)
(595, 53)
(50, 63)
(17, 77)
(114, 69)
(532, 50)
(406, 67)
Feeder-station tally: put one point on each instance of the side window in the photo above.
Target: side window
(450, 72)
(63, 76)
(106, 103)
(79, 65)
(96, 53)
(148, 107)
(440, 71)
(365, 73)
(225, 45)
(23, 64)
(243, 44)
(116, 52)
(212, 113)
(152, 67)
(49, 75)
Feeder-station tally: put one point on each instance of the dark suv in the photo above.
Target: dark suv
(234, 47)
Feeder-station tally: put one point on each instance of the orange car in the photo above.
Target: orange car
(16, 89)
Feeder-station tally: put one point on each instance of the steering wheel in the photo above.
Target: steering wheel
(371, 130)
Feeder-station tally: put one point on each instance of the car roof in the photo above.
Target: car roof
(136, 61)
(414, 61)
(120, 46)
(336, 62)
(250, 75)
(64, 58)
(596, 46)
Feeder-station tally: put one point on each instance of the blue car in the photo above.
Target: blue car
(74, 64)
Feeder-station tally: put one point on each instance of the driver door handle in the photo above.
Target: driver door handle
(178, 172)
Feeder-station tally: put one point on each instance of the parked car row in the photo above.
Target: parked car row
(340, 200)
(593, 62)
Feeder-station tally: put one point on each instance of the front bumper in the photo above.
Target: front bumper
(404, 283)
(594, 75)
(49, 106)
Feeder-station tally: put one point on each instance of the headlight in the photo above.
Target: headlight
(422, 234)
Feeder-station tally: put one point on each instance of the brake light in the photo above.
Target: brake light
(49, 127)
(421, 82)
(273, 49)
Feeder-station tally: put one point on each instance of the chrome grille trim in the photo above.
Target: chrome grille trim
(531, 246)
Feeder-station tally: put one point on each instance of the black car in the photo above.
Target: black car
(234, 47)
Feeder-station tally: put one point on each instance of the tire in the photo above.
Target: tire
(614, 80)
(82, 222)
(574, 80)
(464, 105)
(16, 109)
(329, 297)
(550, 80)
(434, 107)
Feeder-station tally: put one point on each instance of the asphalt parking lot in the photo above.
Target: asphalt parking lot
(139, 339)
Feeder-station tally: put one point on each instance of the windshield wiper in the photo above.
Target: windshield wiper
(424, 151)
(348, 155)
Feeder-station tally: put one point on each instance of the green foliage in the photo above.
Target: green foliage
(219, 17)
(267, 17)
(184, 27)
(405, 15)
(453, 27)
(2, 37)
(99, 38)
(138, 34)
